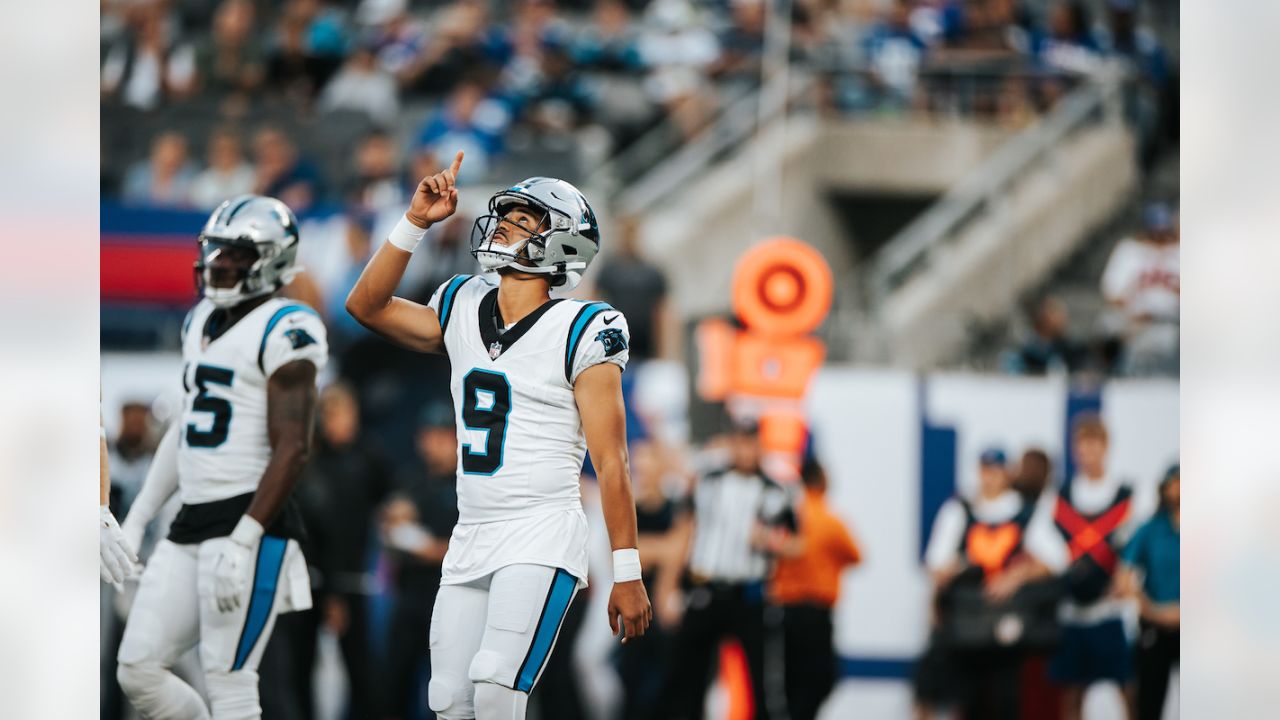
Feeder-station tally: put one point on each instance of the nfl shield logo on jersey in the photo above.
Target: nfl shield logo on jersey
(495, 350)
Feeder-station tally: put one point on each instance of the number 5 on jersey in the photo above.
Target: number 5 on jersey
(485, 406)
(206, 402)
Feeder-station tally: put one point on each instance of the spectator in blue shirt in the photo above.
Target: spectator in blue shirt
(1151, 561)
(282, 173)
(608, 42)
(1070, 45)
(1050, 348)
(895, 53)
(471, 122)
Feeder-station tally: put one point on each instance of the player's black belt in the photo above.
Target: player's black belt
(205, 521)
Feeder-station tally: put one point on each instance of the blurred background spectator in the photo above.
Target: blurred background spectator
(1151, 562)
(361, 85)
(1049, 349)
(165, 179)
(641, 662)
(638, 288)
(346, 479)
(282, 172)
(894, 53)
(678, 49)
(806, 584)
(130, 454)
(1034, 474)
(1142, 283)
(230, 63)
(378, 183)
(469, 121)
(416, 526)
(226, 175)
(148, 65)
(306, 51)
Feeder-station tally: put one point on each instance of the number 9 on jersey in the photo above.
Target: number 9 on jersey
(486, 403)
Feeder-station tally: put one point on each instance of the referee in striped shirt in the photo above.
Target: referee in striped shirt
(737, 512)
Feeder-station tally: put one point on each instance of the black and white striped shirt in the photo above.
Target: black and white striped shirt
(727, 505)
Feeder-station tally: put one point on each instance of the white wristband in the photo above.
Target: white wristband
(626, 565)
(248, 531)
(406, 235)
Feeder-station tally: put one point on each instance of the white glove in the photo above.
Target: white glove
(134, 527)
(119, 560)
(409, 537)
(233, 569)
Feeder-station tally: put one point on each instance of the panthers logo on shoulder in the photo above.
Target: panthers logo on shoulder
(613, 341)
(299, 337)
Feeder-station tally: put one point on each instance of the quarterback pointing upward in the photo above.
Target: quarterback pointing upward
(536, 382)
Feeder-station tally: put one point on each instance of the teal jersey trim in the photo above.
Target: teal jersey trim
(446, 298)
(576, 330)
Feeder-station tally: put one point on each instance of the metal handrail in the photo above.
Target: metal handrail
(661, 165)
(909, 250)
(735, 124)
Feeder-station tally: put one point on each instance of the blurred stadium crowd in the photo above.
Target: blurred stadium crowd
(338, 108)
(344, 102)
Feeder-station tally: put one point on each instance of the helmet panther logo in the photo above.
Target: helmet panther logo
(613, 341)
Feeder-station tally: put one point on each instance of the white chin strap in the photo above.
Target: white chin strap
(225, 297)
(493, 255)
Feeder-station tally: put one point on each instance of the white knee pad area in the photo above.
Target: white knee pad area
(449, 697)
(495, 702)
(485, 667)
(233, 695)
(158, 694)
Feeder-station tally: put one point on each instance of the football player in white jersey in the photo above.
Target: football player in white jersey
(231, 561)
(536, 382)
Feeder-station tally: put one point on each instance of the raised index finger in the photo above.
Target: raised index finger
(457, 163)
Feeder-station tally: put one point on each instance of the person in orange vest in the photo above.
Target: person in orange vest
(806, 584)
(999, 541)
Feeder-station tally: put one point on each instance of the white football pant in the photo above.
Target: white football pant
(491, 638)
(175, 610)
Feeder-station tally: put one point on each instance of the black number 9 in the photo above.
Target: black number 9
(486, 403)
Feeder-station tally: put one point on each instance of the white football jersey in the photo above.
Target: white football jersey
(1146, 277)
(520, 439)
(223, 448)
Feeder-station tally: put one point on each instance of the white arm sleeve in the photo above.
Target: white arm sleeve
(944, 540)
(162, 479)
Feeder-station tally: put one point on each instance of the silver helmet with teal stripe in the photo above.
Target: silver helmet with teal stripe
(247, 249)
(566, 243)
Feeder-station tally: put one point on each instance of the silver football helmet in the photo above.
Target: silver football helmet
(565, 247)
(254, 223)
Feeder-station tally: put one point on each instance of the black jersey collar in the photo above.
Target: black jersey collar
(495, 340)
